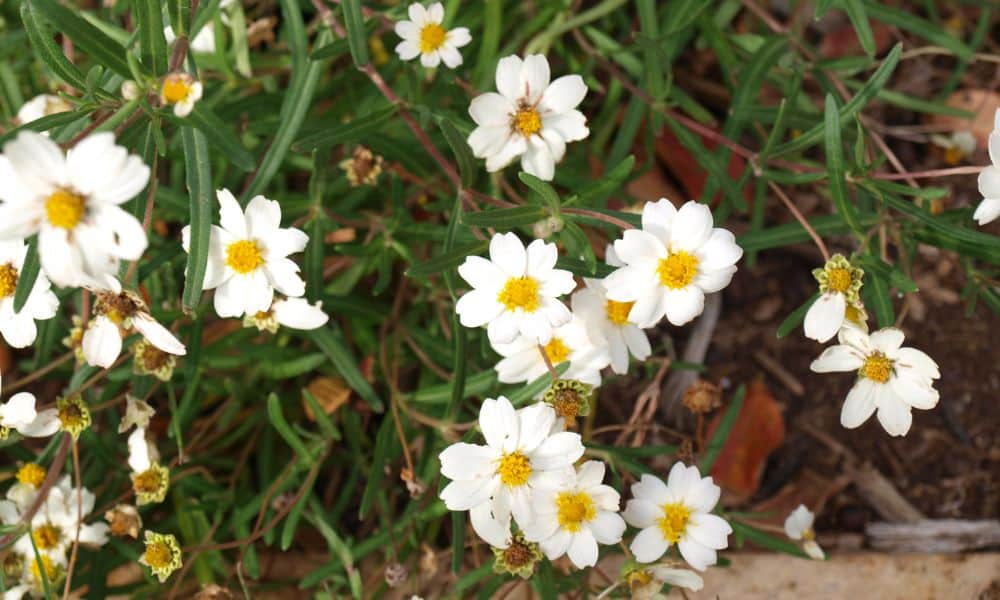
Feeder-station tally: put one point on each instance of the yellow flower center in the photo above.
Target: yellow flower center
(46, 536)
(618, 311)
(877, 367)
(838, 279)
(158, 555)
(244, 256)
(514, 469)
(520, 292)
(674, 521)
(147, 482)
(574, 509)
(8, 280)
(31, 474)
(556, 350)
(64, 208)
(431, 37)
(677, 270)
(176, 88)
(51, 571)
(527, 121)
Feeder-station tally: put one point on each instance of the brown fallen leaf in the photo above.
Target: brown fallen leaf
(330, 393)
(983, 104)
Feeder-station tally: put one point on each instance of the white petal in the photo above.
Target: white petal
(19, 410)
(491, 108)
(231, 215)
(798, 522)
(837, 358)
(481, 273)
(418, 14)
(709, 530)
(825, 316)
(582, 549)
(463, 495)
(538, 159)
(298, 313)
(102, 342)
(478, 307)
(465, 462)
(893, 413)
(499, 423)
(138, 451)
(720, 251)
(534, 424)
(887, 340)
(692, 227)
(44, 425)
(657, 219)
(911, 358)
(715, 280)
(987, 211)
(407, 50)
(649, 545)
(639, 246)
(124, 236)
(431, 59)
(508, 253)
(684, 304)
(534, 77)
(698, 556)
(407, 30)
(679, 577)
(263, 217)
(459, 37)
(283, 274)
(488, 140)
(571, 126)
(608, 527)
(860, 403)
(651, 489)
(515, 146)
(557, 545)
(564, 94)
(508, 77)
(558, 450)
(492, 530)
(282, 242)
(641, 513)
(157, 334)
(19, 329)
(435, 12)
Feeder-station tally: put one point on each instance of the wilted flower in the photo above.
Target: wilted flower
(295, 313)
(162, 554)
(363, 167)
(519, 557)
(799, 526)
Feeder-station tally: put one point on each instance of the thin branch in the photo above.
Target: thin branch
(801, 219)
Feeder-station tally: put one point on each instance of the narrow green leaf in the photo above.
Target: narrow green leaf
(875, 293)
(543, 189)
(766, 540)
(85, 36)
(835, 166)
(595, 193)
(51, 54)
(355, 129)
(28, 275)
(577, 244)
(855, 10)
(890, 273)
(446, 260)
(376, 471)
(714, 446)
(579, 267)
(467, 167)
(796, 317)
(331, 342)
(219, 135)
(199, 185)
(285, 430)
(152, 42)
(908, 21)
(356, 38)
(505, 219)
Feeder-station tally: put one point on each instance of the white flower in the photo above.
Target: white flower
(677, 513)
(529, 117)
(571, 342)
(137, 414)
(645, 583)
(607, 320)
(989, 179)
(115, 312)
(295, 313)
(671, 263)
(18, 413)
(141, 454)
(515, 291)
(839, 284)
(247, 256)
(203, 42)
(423, 35)
(576, 515)
(496, 481)
(18, 328)
(799, 526)
(72, 202)
(40, 106)
(181, 90)
(891, 380)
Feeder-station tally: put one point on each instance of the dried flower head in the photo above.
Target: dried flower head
(162, 555)
(396, 574)
(702, 397)
(363, 167)
(150, 486)
(569, 398)
(518, 558)
(74, 416)
(147, 359)
(124, 520)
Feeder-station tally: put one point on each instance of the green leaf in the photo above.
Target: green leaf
(855, 10)
(939, 232)
(356, 37)
(581, 268)
(505, 219)
(376, 471)
(85, 36)
(835, 166)
(908, 21)
(890, 273)
(355, 129)
(219, 135)
(467, 167)
(446, 260)
(152, 42)
(284, 429)
(612, 181)
(876, 296)
(331, 342)
(766, 540)
(796, 317)
(28, 275)
(199, 185)
(714, 446)
(543, 189)
(577, 244)
(42, 41)
(708, 161)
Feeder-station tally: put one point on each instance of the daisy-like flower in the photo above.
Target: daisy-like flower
(182, 90)
(678, 512)
(162, 554)
(18, 413)
(523, 360)
(839, 287)
(424, 36)
(296, 313)
(29, 478)
(529, 118)
(799, 527)
(892, 380)
(117, 311)
(496, 481)
(671, 263)
(28, 571)
(73, 415)
(576, 515)
(150, 479)
(247, 256)
(516, 291)
(645, 583)
(608, 320)
(989, 179)
(18, 328)
(72, 202)
(40, 106)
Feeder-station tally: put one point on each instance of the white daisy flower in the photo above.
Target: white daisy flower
(645, 583)
(203, 42)
(799, 527)
(182, 90)
(295, 313)
(677, 513)
(117, 311)
(607, 320)
(575, 516)
(18, 328)
(529, 117)
(497, 480)
(839, 300)
(72, 202)
(18, 413)
(671, 263)
(247, 257)
(523, 361)
(40, 106)
(30, 477)
(892, 380)
(989, 179)
(423, 35)
(516, 291)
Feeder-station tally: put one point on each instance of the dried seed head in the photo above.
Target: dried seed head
(702, 397)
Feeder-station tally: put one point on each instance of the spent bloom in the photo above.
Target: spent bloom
(18, 328)
(424, 36)
(40, 106)
(162, 554)
(576, 515)
(247, 256)
(892, 380)
(671, 263)
(839, 287)
(989, 179)
(799, 527)
(678, 512)
(150, 480)
(523, 361)
(182, 91)
(647, 581)
(529, 118)
(72, 201)
(516, 291)
(496, 480)
(295, 313)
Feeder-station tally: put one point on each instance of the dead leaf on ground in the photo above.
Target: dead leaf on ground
(330, 393)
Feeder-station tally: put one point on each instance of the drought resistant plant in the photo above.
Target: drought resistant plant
(364, 382)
